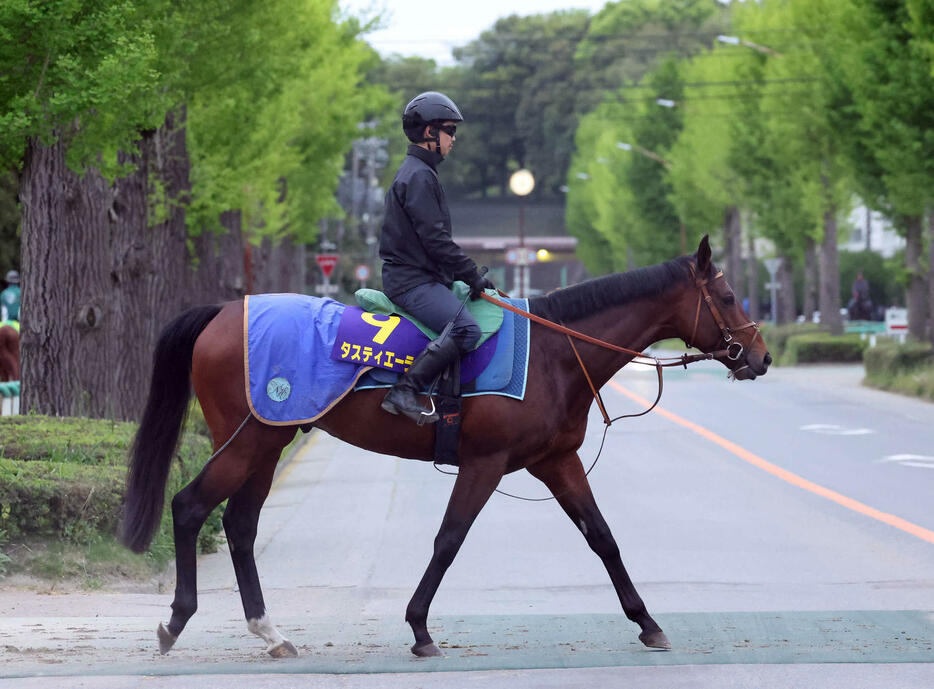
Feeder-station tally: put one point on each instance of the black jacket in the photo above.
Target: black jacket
(415, 243)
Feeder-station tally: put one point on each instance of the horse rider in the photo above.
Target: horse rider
(10, 298)
(860, 305)
(420, 259)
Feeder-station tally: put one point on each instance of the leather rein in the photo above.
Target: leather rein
(733, 351)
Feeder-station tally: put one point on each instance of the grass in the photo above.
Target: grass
(917, 382)
(61, 491)
(88, 566)
(906, 368)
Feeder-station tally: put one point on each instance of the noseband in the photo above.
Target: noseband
(734, 350)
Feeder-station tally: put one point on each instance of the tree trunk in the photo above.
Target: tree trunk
(787, 311)
(830, 275)
(67, 312)
(733, 231)
(103, 275)
(279, 266)
(810, 278)
(915, 296)
(752, 275)
(149, 261)
(931, 275)
(219, 275)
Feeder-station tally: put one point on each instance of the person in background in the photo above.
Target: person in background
(10, 298)
(860, 306)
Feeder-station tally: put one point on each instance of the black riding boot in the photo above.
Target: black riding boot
(403, 395)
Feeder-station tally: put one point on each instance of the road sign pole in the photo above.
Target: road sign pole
(772, 265)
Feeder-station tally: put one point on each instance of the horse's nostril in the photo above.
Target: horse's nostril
(767, 359)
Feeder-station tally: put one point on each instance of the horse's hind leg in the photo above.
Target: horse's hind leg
(190, 507)
(565, 478)
(472, 489)
(240, 519)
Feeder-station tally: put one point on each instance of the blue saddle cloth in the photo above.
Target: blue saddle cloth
(292, 378)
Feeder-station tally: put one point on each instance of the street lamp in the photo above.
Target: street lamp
(521, 183)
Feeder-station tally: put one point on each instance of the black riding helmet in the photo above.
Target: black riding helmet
(427, 108)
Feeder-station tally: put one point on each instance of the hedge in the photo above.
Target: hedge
(776, 336)
(891, 357)
(63, 479)
(61, 499)
(823, 348)
(907, 368)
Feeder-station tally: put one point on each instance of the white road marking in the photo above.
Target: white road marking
(909, 460)
(834, 429)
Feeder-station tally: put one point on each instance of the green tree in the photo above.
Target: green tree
(630, 55)
(521, 93)
(263, 98)
(706, 191)
(619, 171)
(883, 53)
(9, 224)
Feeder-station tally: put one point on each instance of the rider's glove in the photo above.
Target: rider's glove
(478, 283)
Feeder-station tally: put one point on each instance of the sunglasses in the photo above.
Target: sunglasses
(448, 129)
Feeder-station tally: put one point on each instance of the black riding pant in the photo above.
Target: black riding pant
(435, 305)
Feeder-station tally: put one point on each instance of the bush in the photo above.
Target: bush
(61, 439)
(907, 368)
(63, 479)
(776, 337)
(823, 348)
(891, 357)
(62, 499)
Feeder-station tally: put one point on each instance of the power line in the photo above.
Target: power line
(519, 37)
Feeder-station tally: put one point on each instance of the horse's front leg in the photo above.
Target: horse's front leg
(564, 475)
(472, 489)
(240, 519)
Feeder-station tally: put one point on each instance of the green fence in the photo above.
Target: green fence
(9, 398)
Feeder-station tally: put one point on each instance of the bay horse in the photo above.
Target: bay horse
(499, 435)
(9, 353)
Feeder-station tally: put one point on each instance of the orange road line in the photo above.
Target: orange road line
(785, 475)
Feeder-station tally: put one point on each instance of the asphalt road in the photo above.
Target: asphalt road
(781, 532)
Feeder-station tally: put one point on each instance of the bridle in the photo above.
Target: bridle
(734, 350)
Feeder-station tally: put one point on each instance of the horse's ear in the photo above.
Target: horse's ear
(703, 255)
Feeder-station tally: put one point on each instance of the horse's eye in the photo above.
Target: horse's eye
(729, 300)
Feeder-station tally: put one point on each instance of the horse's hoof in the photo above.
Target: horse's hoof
(166, 640)
(655, 640)
(283, 650)
(428, 650)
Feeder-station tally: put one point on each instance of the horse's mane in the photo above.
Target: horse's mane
(605, 292)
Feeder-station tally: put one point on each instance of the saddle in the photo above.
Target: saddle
(488, 316)
(447, 395)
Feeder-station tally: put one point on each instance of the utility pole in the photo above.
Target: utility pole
(772, 265)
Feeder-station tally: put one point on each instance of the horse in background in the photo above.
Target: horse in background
(9, 353)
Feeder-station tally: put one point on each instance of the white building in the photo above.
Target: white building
(871, 230)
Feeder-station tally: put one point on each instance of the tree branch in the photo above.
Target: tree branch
(45, 66)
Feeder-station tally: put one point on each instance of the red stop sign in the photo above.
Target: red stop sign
(327, 262)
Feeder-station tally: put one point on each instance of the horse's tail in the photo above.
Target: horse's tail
(160, 429)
